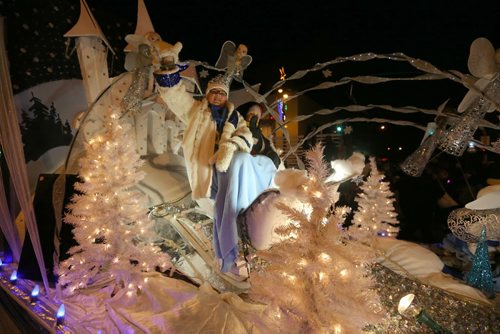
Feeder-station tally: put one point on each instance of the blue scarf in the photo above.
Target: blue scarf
(219, 115)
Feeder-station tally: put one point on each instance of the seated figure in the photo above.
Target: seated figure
(261, 144)
(216, 146)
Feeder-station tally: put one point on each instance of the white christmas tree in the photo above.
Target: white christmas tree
(316, 280)
(375, 213)
(109, 216)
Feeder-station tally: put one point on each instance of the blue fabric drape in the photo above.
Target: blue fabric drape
(234, 191)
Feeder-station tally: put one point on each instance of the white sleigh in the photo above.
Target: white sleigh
(257, 224)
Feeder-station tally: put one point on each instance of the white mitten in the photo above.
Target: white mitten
(222, 158)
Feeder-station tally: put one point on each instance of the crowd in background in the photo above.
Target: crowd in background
(424, 203)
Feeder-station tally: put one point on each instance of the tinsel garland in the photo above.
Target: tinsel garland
(456, 314)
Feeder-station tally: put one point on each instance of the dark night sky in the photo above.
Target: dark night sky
(277, 33)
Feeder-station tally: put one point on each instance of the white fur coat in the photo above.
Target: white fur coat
(200, 136)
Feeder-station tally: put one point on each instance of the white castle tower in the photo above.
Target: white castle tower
(92, 48)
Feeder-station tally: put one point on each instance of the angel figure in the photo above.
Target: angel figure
(483, 96)
(484, 65)
(234, 60)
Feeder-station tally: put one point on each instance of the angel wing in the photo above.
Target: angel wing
(237, 66)
(227, 51)
(245, 61)
(482, 65)
(481, 62)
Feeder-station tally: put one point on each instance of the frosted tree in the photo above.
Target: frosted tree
(376, 213)
(315, 280)
(480, 274)
(109, 216)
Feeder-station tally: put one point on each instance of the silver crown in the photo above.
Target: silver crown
(220, 79)
(221, 82)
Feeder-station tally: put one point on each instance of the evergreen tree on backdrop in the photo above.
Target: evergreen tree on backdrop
(42, 129)
(109, 215)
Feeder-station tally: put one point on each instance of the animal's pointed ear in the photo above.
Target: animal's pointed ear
(177, 47)
(136, 40)
(481, 58)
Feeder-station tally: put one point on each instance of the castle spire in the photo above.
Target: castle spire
(143, 25)
(91, 47)
(87, 26)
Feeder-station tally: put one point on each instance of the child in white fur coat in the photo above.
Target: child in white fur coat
(216, 148)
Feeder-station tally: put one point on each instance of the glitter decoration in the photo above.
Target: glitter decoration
(467, 224)
(416, 162)
(165, 209)
(169, 78)
(132, 101)
(456, 313)
(196, 216)
(186, 235)
(408, 306)
(456, 139)
(480, 276)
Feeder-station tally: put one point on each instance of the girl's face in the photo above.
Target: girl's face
(217, 97)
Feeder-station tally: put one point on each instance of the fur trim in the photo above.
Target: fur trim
(244, 131)
(239, 135)
(227, 131)
(242, 144)
(224, 156)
